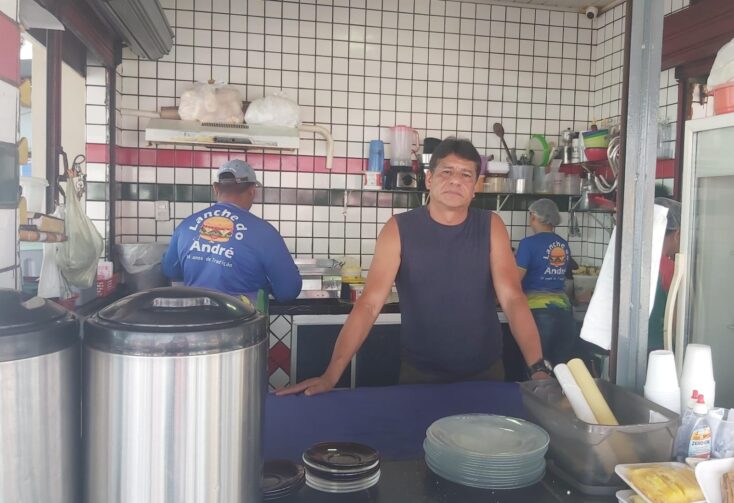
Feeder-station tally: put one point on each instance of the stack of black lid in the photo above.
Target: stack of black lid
(281, 478)
(341, 467)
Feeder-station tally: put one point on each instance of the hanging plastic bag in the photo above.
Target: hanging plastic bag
(274, 110)
(211, 103)
(78, 256)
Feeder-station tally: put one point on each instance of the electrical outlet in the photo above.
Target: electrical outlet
(162, 211)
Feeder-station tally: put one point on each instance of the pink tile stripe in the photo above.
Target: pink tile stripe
(174, 158)
(9, 50)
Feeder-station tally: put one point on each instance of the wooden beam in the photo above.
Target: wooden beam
(54, 43)
(697, 32)
(91, 30)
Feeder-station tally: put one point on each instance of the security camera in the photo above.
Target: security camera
(591, 12)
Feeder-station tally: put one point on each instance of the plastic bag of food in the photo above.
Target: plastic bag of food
(211, 103)
(274, 110)
(722, 71)
(77, 257)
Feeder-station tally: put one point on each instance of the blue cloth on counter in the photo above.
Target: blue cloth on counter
(227, 248)
(392, 419)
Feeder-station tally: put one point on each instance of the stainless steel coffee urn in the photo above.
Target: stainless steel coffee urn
(40, 424)
(174, 389)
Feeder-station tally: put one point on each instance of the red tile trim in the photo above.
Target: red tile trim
(665, 168)
(9, 50)
(174, 158)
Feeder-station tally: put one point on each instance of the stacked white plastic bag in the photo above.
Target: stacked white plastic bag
(211, 103)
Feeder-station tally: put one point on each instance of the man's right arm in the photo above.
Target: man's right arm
(380, 278)
(283, 276)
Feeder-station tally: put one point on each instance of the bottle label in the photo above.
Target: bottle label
(700, 445)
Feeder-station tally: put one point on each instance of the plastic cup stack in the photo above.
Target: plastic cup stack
(698, 373)
(661, 384)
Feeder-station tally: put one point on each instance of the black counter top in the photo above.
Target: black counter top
(320, 306)
(412, 481)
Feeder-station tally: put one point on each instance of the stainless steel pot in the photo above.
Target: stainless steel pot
(40, 424)
(174, 388)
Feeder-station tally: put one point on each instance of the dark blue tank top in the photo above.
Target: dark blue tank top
(448, 310)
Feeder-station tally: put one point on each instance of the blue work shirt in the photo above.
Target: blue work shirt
(227, 248)
(545, 256)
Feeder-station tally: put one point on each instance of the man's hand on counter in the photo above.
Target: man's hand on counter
(309, 387)
(539, 376)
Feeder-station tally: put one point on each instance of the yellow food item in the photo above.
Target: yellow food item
(666, 484)
(636, 499)
(590, 390)
(727, 487)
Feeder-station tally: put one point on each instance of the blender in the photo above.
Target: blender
(429, 144)
(404, 143)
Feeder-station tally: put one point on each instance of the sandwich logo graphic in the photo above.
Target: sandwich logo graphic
(216, 229)
(557, 257)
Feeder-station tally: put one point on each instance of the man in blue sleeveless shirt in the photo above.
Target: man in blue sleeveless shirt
(227, 248)
(451, 264)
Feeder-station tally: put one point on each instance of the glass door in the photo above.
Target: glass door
(709, 306)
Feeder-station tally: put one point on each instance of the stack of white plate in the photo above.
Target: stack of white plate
(486, 451)
(341, 467)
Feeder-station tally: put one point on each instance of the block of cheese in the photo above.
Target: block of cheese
(666, 484)
(573, 392)
(590, 390)
(727, 487)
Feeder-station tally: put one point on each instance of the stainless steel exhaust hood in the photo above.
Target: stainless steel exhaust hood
(141, 23)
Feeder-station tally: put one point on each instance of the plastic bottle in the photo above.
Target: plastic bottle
(683, 437)
(700, 439)
(689, 405)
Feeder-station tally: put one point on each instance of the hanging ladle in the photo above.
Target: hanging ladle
(500, 131)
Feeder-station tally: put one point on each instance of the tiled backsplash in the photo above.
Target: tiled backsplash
(358, 67)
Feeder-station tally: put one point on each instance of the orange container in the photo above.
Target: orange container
(723, 99)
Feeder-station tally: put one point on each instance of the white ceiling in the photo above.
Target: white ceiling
(563, 5)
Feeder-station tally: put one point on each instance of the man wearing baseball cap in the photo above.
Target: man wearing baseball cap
(227, 248)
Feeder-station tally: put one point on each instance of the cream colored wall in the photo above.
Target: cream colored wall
(73, 107)
(73, 116)
(38, 110)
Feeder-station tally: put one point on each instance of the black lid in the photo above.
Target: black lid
(33, 326)
(175, 321)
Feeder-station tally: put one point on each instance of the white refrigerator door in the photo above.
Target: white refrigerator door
(706, 312)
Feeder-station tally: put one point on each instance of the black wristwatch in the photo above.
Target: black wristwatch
(541, 365)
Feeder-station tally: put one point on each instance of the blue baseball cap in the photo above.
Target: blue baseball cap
(242, 172)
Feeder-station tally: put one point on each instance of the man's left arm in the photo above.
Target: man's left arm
(171, 264)
(510, 295)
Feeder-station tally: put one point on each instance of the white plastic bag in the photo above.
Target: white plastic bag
(140, 257)
(722, 72)
(51, 282)
(211, 103)
(78, 256)
(275, 110)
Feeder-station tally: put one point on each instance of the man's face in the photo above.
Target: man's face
(452, 182)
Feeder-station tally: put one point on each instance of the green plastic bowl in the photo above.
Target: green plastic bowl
(596, 139)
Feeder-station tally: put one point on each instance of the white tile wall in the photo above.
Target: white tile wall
(358, 68)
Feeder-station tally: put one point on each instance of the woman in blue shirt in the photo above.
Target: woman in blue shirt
(543, 260)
